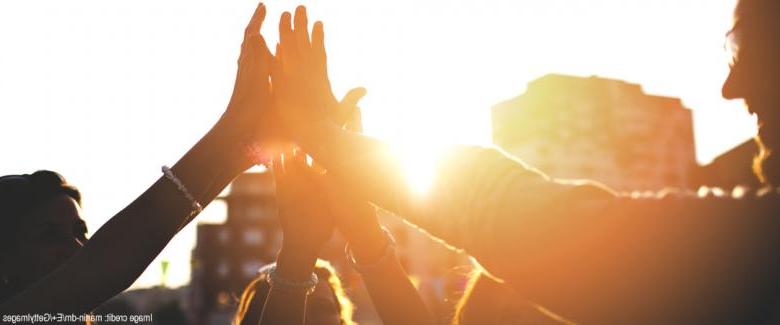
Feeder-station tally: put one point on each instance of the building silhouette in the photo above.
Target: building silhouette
(227, 256)
(601, 129)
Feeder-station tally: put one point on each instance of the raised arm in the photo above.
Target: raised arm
(697, 260)
(120, 250)
(372, 252)
(307, 226)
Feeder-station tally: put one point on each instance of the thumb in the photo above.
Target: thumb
(348, 105)
(353, 96)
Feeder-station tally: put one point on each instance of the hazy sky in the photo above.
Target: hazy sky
(106, 92)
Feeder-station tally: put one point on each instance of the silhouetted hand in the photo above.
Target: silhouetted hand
(249, 116)
(303, 211)
(300, 76)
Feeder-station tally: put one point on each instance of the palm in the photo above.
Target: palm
(251, 101)
(300, 76)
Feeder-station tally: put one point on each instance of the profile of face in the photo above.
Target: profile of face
(754, 76)
(44, 234)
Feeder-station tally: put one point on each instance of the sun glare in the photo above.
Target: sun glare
(419, 162)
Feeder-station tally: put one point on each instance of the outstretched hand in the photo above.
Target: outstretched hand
(249, 119)
(299, 73)
(253, 88)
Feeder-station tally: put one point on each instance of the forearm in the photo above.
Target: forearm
(480, 200)
(372, 251)
(395, 298)
(122, 248)
(560, 245)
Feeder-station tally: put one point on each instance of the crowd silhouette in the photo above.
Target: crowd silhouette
(551, 251)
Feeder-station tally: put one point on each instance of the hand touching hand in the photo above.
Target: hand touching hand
(252, 89)
(249, 116)
(245, 120)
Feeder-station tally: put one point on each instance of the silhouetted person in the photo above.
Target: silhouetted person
(754, 46)
(33, 246)
(576, 248)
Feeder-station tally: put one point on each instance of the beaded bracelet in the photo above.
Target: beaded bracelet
(275, 281)
(196, 206)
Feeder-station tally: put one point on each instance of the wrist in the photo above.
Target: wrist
(387, 255)
(369, 245)
(294, 264)
(227, 148)
(277, 281)
(217, 157)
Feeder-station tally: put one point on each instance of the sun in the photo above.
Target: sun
(419, 131)
(419, 162)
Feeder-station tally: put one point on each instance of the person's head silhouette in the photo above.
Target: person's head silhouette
(40, 228)
(327, 304)
(754, 45)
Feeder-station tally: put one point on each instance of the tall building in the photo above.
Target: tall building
(600, 129)
(227, 256)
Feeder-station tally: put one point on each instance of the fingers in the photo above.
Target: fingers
(254, 44)
(318, 47)
(286, 36)
(353, 96)
(348, 106)
(301, 28)
(253, 28)
(285, 28)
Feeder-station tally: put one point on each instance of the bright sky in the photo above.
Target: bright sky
(106, 92)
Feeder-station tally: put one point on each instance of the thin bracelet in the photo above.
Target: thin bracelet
(275, 281)
(387, 255)
(196, 206)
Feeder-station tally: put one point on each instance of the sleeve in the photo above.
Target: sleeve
(594, 256)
